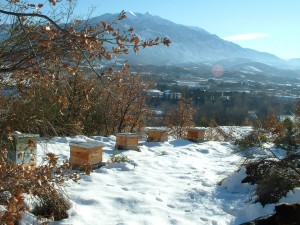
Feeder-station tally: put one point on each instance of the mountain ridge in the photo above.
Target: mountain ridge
(190, 45)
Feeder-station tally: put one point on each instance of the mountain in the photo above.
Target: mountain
(250, 67)
(193, 46)
(189, 44)
(294, 63)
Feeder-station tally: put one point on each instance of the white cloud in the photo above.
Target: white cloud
(243, 37)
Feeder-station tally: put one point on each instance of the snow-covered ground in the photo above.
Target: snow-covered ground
(175, 182)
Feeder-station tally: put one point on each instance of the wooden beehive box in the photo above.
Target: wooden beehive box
(22, 148)
(157, 134)
(196, 134)
(86, 153)
(127, 141)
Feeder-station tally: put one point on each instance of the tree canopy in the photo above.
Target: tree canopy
(32, 40)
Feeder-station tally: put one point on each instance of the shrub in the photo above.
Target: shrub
(118, 105)
(274, 177)
(118, 159)
(41, 183)
(52, 205)
(288, 140)
(53, 106)
(254, 139)
(180, 118)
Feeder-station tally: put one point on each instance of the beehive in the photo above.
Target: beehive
(196, 134)
(127, 141)
(22, 148)
(157, 134)
(86, 153)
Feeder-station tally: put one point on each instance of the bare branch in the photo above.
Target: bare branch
(58, 27)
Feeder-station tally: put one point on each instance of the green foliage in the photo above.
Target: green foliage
(286, 134)
(288, 139)
(203, 122)
(162, 153)
(118, 159)
(254, 139)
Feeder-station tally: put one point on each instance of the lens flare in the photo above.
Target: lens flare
(217, 70)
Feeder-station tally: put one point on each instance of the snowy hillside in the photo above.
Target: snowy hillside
(175, 182)
(189, 44)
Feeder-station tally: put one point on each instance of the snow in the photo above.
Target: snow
(133, 14)
(236, 132)
(252, 68)
(150, 14)
(174, 182)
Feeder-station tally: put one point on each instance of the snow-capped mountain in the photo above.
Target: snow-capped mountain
(189, 44)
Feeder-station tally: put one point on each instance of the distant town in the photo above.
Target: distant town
(233, 98)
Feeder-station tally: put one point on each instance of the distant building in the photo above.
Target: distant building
(225, 97)
(154, 93)
(252, 115)
(287, 98)
(203, 84)
(284, 117)
(175, 95)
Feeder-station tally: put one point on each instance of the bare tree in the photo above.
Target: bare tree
(41, 57)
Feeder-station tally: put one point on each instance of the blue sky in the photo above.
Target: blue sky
(265, 25)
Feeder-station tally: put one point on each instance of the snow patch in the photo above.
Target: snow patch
(133, 14)
(233, 183)
(174, 182)
(150, 13)
(252, 68)
(291, 196)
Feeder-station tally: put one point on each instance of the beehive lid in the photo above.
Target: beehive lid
(157, 129)
(128, 134)
(87, 144)
(21, 135)
(197, 128)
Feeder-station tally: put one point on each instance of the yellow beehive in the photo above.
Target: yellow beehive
(127, 141)
(157, 134)
(196, 134)
(86, 153)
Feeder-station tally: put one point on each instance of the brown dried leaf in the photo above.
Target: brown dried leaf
(166, 42)
(110, 70)
(103, 24)
(53, 2)
(123, 71)
(31, 143)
